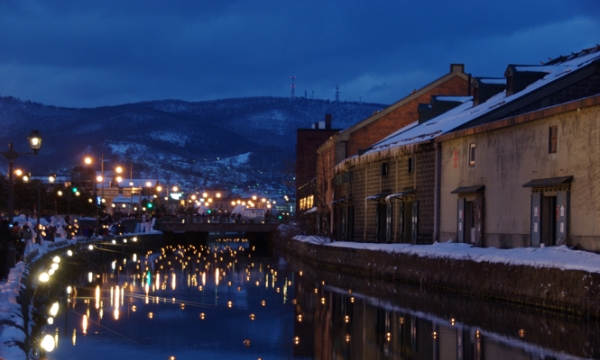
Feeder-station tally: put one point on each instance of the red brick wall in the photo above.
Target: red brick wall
(325, 183)
(402, 116)
(307, 143)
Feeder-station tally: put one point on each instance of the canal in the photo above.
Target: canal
(224, 299)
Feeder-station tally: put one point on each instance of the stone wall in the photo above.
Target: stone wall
(576, 292)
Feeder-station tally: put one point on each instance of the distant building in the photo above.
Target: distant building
(307, 143)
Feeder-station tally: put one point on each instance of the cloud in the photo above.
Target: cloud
(93, 53)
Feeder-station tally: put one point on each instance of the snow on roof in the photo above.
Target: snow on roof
(466, 113)
(537, 68)
(461, 99)
(427, 130)
(500, 81)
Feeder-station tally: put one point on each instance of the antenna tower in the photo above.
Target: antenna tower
(293, 85)
(337, 94)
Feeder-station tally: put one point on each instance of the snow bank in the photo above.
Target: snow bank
(557, 257)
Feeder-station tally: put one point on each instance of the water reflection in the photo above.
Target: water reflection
(222, 300)
(183, 300)
(361, 319)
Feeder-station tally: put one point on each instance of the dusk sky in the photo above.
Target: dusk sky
(82, 53)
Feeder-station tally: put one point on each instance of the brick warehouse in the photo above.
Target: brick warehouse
(353, 140)
(376, 201)
(389, 197)
(307, 142)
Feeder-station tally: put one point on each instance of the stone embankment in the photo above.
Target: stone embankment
(571, 291)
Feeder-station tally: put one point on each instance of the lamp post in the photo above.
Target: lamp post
(38, 227)
(35, 143)
(174, 189)
(88, 161)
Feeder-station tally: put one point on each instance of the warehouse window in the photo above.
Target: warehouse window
(472, 155)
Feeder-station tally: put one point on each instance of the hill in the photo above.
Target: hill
(243, 143)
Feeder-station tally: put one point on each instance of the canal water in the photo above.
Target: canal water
(227, 300)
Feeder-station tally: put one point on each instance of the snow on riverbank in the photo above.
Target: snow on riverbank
(559, 257)
(12, 331)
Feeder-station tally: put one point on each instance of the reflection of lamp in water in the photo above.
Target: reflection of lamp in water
(84, 324)
(203, 285)
(97, 296)
(117, 297)
(54, 309)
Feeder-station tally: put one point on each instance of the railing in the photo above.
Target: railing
(216, 220)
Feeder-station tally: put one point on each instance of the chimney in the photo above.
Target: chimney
(438, 105)
(441, 104)
(328, 121)
(518, 77)
(485, 88)
(457, 68)
(425, 112)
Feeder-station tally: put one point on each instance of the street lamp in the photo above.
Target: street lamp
(38, 228)
(35, 144)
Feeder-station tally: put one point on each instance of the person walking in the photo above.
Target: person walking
(7, 258)
(25, 239)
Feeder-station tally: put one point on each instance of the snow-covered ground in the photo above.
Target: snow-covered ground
(559, 257)
(12, 329)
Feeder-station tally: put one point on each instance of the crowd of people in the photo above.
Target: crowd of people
(15, 237)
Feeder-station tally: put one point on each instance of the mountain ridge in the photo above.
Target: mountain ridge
(177, 140)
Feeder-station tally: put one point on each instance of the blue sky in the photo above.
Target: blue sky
(83, 53)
